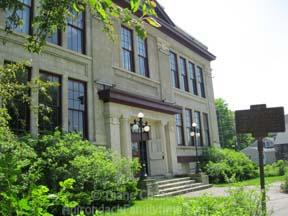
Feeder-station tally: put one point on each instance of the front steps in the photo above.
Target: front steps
(177, 186)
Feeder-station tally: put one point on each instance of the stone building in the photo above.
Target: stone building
(105, 84)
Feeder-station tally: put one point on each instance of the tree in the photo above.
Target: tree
(53, 16)
(226, 126)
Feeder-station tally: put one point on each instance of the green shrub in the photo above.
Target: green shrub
(227, 165)
(239, 202)
(284, 185)
(279, 168)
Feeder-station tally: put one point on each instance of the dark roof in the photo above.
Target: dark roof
(168, 27)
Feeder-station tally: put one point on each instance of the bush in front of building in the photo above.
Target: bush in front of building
(226, 165)
(284, 185)
(279, 168)
(238, 202)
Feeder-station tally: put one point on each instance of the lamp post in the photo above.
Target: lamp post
(140, 127)
(195, 136)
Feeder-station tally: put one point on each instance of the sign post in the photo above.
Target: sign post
(259, 121)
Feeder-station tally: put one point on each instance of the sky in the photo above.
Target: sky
(250, 40)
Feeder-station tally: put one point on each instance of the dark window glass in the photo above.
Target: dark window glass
(142, 57)
(188, 116)
(55, 38)
(75, 32)
(48, 121)
(201, 85)
(184, 78)
(179, 129)
(199, 139)
(18, 109)
(127, 49)
(77, 107)
(174, 70)
(206, 129)
(25, 15)
(193, 79)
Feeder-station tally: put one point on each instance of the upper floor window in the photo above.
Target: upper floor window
(25, 15)
(77, 107)
(18, 109)
(183, 71)
(174, 70)
(179, 129)
(76, 33)
(201, 85)
(188, 116)
(193, 79)
(50, 120)
(55, 38)
(206, 129)
(127, 49)
(199, 139)
(143, 57)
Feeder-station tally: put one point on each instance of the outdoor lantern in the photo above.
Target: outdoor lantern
(192, 134)
(194, 125)
(147, 128)
(140, 115)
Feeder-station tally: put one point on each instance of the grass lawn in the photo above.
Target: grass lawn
(252, 182)
(153, 207)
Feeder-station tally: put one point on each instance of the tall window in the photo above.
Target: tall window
(18, 109)
(55, 38)
(201, 85)
(193, 79)
(179, 130)
(184, 78)
(206, 129)
(127, 49)
(199, 139)
(76, 33)
(143, 57)
(174, 70)
(50, 120)
(188, 116)
(77, 107)
(25, 15)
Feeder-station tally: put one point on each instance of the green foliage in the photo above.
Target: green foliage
(279, 168)
(284, 185)
(228, 166)
(53, 15)
(239, 202)
(226, 125)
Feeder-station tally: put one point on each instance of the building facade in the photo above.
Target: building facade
(105, 84)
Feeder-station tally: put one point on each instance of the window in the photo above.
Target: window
(206, 129)
(25, 15)
(48, 121)
(19, 110)
(174, 70)
(193, 79)
(143, 57)
(75, 32)
(55, 38)
(77, 107)
(199, 140)
(127, 49)
(184, 78)
(179, 130)
(201, 85)
(188, 115)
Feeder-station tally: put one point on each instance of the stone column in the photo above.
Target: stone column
(164, 146)
(171, 146)
(64, 98)
(34, 102)
(125, 137)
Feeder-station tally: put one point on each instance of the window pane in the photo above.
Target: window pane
(53, 38)
(198, 128)
(200, 78)
(193, 78)
(127, 49)
(142, 57)
(174, 70)
(183, 71)
(75, 33)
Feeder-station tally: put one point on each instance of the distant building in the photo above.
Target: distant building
(269, 151)
(281, 143)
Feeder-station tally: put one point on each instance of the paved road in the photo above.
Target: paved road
(277, 204)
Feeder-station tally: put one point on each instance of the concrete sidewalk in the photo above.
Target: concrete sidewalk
(277, 204)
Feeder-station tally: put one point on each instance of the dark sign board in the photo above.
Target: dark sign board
(260, 120)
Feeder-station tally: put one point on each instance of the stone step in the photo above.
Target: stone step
(175, 184)
(184, 191)
(182, 187)
(173, 180)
